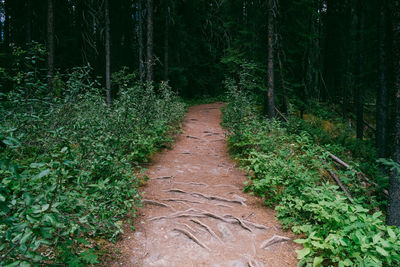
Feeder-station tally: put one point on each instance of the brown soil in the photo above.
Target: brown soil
(194, 212)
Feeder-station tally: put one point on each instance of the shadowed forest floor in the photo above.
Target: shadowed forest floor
(194, 212)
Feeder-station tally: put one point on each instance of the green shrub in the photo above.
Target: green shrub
(287, 167)
(69, 166)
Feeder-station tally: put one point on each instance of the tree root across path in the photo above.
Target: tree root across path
(197, 194)
(192, 237)
(209, 230)
(156, 203)
(194, 213)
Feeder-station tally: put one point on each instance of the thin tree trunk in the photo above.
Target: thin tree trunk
(382, 97)
(359, 96)
(166, 42)
(6, 24)
(149, 40)
(271, 37)
(393, 212)
(284, 91)
(107, 48)
(140, 40)
(346, 91)
(50, 44)
(28, 24)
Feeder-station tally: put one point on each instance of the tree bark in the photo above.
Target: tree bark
(382, 97)
(271, 78)
(359, 96)
(6, 24)
(107, 51)
(166, 41)
(28, 24)
(140, 40)
(149, 40)
(393, 212)
(50, 44)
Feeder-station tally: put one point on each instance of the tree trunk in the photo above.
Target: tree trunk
(50, 44)
(271, 37)
(140, 40)
(359, 96)
(149, 40)
(6, 24)
(107, 51)
(166, 41)
(28, 24)
(382, 97)
(393, 212)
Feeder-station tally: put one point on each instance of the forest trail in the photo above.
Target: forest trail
(194, 212)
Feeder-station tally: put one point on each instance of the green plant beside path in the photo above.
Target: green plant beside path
(287, 169)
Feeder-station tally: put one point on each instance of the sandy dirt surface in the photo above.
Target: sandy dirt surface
(194, 211)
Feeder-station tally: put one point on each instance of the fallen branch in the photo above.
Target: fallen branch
(192, 237)
(280, 114)
(359, 174)
(338, 182)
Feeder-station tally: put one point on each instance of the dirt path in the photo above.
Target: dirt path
(194, 212)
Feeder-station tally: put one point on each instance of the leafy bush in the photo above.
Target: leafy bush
(288, 168)
(69, 166)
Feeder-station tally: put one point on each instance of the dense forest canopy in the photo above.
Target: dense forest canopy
(116, 61)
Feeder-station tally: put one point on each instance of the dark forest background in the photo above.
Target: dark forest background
(335, 63)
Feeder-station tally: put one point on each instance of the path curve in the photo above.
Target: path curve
(194, 212)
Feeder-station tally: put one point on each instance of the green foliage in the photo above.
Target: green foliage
(285, 166)
(69, 166)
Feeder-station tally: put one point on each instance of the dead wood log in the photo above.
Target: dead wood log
(339, 182)
(359, 174)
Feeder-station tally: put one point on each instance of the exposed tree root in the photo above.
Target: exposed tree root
(182, 200)
(188, 227)
(193, 213)
(155, 203)
(244, 226)
(175, 190)
(162, 178)
(236, 201)
(207, 228)
(239, 198)
(227, 185)
(192, 237)
(193, 137)
(223, 205)
(273, 240)
(193, 183)
(255, 225)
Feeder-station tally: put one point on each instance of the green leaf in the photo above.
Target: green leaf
(26, 236)
(45, 207)
(42, 174)
(382, 251)
(2, 198)
(391, 233)
(317, 261)
(302, 253)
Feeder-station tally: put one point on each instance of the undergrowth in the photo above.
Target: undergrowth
(288, 168)
(69, 165)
